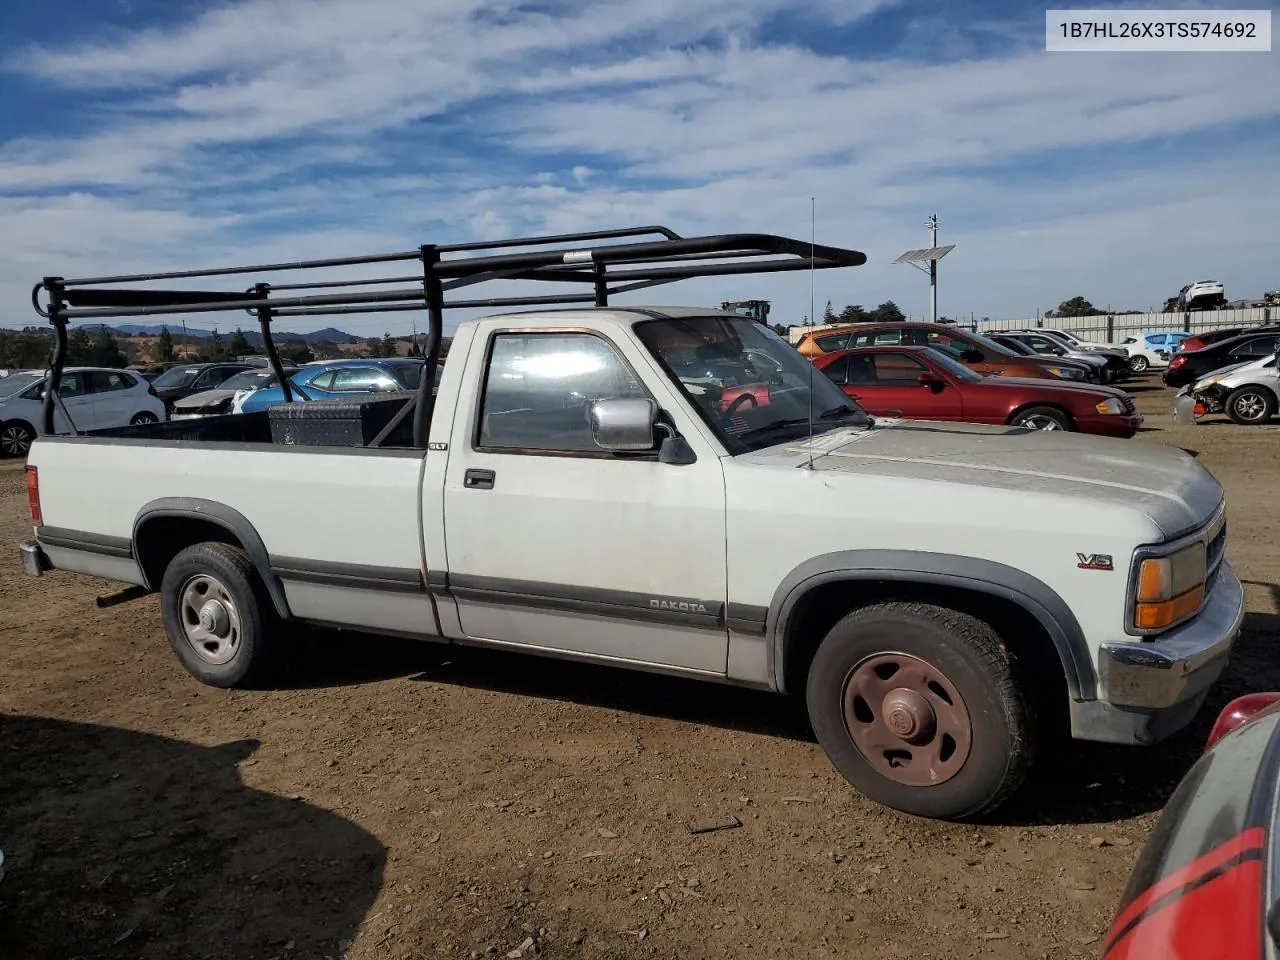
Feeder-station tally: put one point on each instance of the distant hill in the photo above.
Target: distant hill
(327, 335)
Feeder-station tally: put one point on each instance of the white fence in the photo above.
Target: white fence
(1114, 328)
(1111, 328)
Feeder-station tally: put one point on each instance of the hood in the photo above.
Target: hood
(203, 399)
(1174, 491)
(1084, 390)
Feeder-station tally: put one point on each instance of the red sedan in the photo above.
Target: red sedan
(923, 383)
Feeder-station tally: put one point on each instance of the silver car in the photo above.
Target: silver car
(1246, 392)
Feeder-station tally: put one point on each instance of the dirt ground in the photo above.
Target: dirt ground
(392, 799)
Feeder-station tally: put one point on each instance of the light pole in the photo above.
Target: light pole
(931, 255)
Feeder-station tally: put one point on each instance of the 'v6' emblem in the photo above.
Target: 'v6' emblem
(1094, 561)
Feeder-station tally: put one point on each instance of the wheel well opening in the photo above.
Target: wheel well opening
(161, 539)
(1025, 637)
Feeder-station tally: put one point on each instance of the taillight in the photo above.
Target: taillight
(1176, 362)
(1239, 712)
(33, 495)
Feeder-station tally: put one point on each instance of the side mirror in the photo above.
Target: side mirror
(624, 424)
(971, 356)
(932, 381)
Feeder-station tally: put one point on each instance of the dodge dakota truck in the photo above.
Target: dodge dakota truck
(943, 596)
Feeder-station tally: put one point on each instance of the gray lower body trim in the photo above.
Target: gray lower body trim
(85, 542)
(680, 611)
(359, 576)
(745, 618)
(95, 564)
(919, 567)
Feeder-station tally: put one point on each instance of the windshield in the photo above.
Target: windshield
(952, 366)
(176, 378)
(751, 387)
(17, 382)
(990, 344)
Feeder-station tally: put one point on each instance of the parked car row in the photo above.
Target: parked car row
(96, 398)
(92, 398)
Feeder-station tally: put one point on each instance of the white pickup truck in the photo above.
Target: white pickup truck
(592, 484)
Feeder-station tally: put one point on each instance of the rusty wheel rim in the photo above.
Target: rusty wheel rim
(907, 719)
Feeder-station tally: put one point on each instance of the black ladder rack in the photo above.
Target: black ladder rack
(607, 269)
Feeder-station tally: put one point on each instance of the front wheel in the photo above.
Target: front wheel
(216, 614)
(1139, 364)
(15, 439)
(1251, 405)
(1041, 418)
(920, 708)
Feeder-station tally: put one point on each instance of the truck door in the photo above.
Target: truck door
(553, 543)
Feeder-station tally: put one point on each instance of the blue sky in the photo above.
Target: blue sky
(153, 134)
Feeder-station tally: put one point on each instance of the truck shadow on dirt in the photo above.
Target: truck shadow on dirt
(1077, 783)
(127, 845)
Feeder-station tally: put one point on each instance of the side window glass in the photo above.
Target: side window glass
(897, 369)
(539, 388)
(862, 370)
(73, 385)
(836, 371)
(324, 381)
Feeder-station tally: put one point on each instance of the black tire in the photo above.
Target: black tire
(241, 658)
(970, 656)
(1040, 418)
(146, 416)
(1250, 404)
(1139, 364)
(16, 438)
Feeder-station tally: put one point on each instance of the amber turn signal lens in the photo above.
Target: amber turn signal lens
(1153, 616)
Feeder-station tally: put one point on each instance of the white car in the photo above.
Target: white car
(93, 397)
(1144, 357)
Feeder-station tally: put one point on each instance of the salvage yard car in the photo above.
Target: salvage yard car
(921, 383)
(941, 595)
(1248, 393)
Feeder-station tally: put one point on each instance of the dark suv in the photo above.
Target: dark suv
(185, 379)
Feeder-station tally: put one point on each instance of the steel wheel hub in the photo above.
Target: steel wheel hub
(908, 715)
(210, 619)
(906, 719)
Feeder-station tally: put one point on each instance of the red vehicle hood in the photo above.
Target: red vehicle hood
(1063, 389)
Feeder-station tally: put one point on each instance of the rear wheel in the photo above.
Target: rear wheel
(1041, 418)
(919, 707)
(146, 416)
(216, 614)
(15, 438)
(1251, 405)
(1139, 364)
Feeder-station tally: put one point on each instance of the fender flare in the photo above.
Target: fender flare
(921, 567)
(234, 522)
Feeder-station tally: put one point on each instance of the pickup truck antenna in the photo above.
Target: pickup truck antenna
(812, 234)
(647, 256)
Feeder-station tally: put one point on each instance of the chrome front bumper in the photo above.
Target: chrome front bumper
(34, 561)
(1181, 665)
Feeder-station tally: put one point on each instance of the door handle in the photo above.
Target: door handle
(475, 479)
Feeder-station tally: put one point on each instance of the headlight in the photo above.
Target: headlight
(1207, 382)
(1111, 406)
(1067, 373)
(1169, 589)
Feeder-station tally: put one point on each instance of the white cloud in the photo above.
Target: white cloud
(292, 128)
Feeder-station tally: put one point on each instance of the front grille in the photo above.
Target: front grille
(1216, 548)
(1129, 406)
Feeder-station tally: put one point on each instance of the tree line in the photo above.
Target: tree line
(887, 312)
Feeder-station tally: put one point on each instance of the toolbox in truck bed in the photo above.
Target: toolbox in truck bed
(344, 422)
